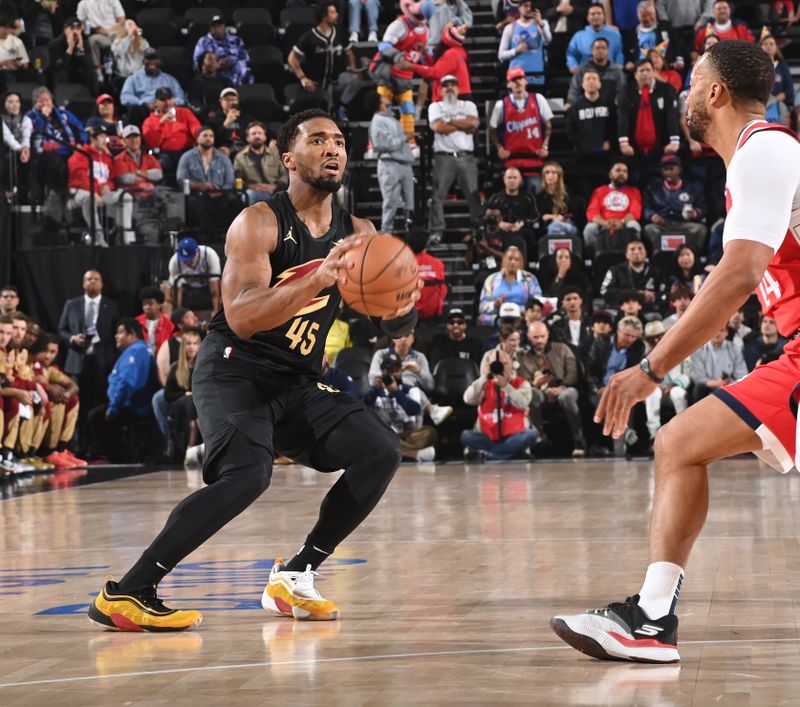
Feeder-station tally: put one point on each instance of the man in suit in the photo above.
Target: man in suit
(86, 330)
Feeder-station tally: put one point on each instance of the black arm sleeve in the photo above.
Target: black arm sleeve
(395, 328)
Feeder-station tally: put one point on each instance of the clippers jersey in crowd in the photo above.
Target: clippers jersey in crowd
(762, 197)
(295, 347)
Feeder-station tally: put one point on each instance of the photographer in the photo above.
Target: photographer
(398, 405)
(502, 429)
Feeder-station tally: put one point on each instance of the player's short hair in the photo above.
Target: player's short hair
(151, 292)
(131, 326)
(290, 127)
(649, 62)
(20, 316)
(602, 40)
(255, 124)
(5, 319)
(629, 296)
(9, 288)
(41, 344)
(744, 68)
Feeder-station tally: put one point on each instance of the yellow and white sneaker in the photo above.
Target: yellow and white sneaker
(293, 594)
(138, 611)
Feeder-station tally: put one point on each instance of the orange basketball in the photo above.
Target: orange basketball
(383, 277)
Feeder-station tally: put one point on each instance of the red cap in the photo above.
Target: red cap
(515, 72)
(104, 97)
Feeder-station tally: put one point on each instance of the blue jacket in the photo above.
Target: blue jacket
(669, 203)
(62, 124)
(784, 83)
(133, 381)
(220, 171)
(139, 88)
(580, 46)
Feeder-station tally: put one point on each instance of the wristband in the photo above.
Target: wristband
(644, 364)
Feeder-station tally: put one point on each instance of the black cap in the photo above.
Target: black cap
(96, 130)
(163, 93)
(217, 20)
(391, 360)
(151, 53)
(72, 22)
(455, 313)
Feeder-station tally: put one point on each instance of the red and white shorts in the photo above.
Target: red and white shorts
(766, 399)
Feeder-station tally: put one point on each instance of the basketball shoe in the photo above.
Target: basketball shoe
(138, 611)
(293, 594)
(621, 631)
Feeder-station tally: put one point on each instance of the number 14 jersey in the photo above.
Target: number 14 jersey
(762, 197)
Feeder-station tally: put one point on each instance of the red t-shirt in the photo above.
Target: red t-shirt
(431, 271)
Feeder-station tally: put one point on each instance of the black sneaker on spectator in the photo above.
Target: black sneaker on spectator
(475, 455)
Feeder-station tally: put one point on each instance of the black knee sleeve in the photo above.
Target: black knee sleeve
(249, 464)
(370, 474)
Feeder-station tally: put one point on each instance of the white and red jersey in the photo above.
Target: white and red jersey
(762, 196)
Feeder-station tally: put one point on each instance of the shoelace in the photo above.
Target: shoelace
(629, 603)
(304, 582)
(150, 599)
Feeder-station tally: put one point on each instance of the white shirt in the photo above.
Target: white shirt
(12, 48)
(458, 141)
(544, 109)
(207, 264)
(100, 13)
(575, 331)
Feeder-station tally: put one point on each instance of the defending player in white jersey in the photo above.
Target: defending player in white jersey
(726, 104)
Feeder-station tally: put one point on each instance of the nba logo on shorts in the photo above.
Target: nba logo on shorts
(228, 351)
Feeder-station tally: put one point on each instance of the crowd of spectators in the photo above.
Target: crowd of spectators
(582, 255)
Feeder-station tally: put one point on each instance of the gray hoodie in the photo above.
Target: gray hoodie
(388, 139)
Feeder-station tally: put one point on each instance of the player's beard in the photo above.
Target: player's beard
(324, 184)
(697, 122)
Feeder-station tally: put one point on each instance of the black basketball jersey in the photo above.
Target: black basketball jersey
(295, 347)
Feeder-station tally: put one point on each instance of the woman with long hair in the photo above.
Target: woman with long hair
(178, 395)
(662, 70)
(563, 271)
(687, 270)
(783, 90)
(17, 129)
(554, 202)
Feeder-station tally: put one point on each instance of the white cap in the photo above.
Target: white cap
(509, 310)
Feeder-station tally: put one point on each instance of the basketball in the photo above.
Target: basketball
(383, 276)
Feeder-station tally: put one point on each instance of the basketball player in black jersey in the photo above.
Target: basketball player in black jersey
(257, 391)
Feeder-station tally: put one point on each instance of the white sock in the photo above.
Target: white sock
(659, 593)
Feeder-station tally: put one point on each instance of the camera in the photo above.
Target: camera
(496, 367)
(387, 379)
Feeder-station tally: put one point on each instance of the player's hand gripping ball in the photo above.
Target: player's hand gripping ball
(382, 277)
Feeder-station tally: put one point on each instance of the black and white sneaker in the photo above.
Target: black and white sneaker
(621, 631)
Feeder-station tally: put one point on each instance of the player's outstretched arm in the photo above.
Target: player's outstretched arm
(726, 289)
(251, 305)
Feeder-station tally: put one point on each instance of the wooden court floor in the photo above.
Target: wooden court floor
(445, 591)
